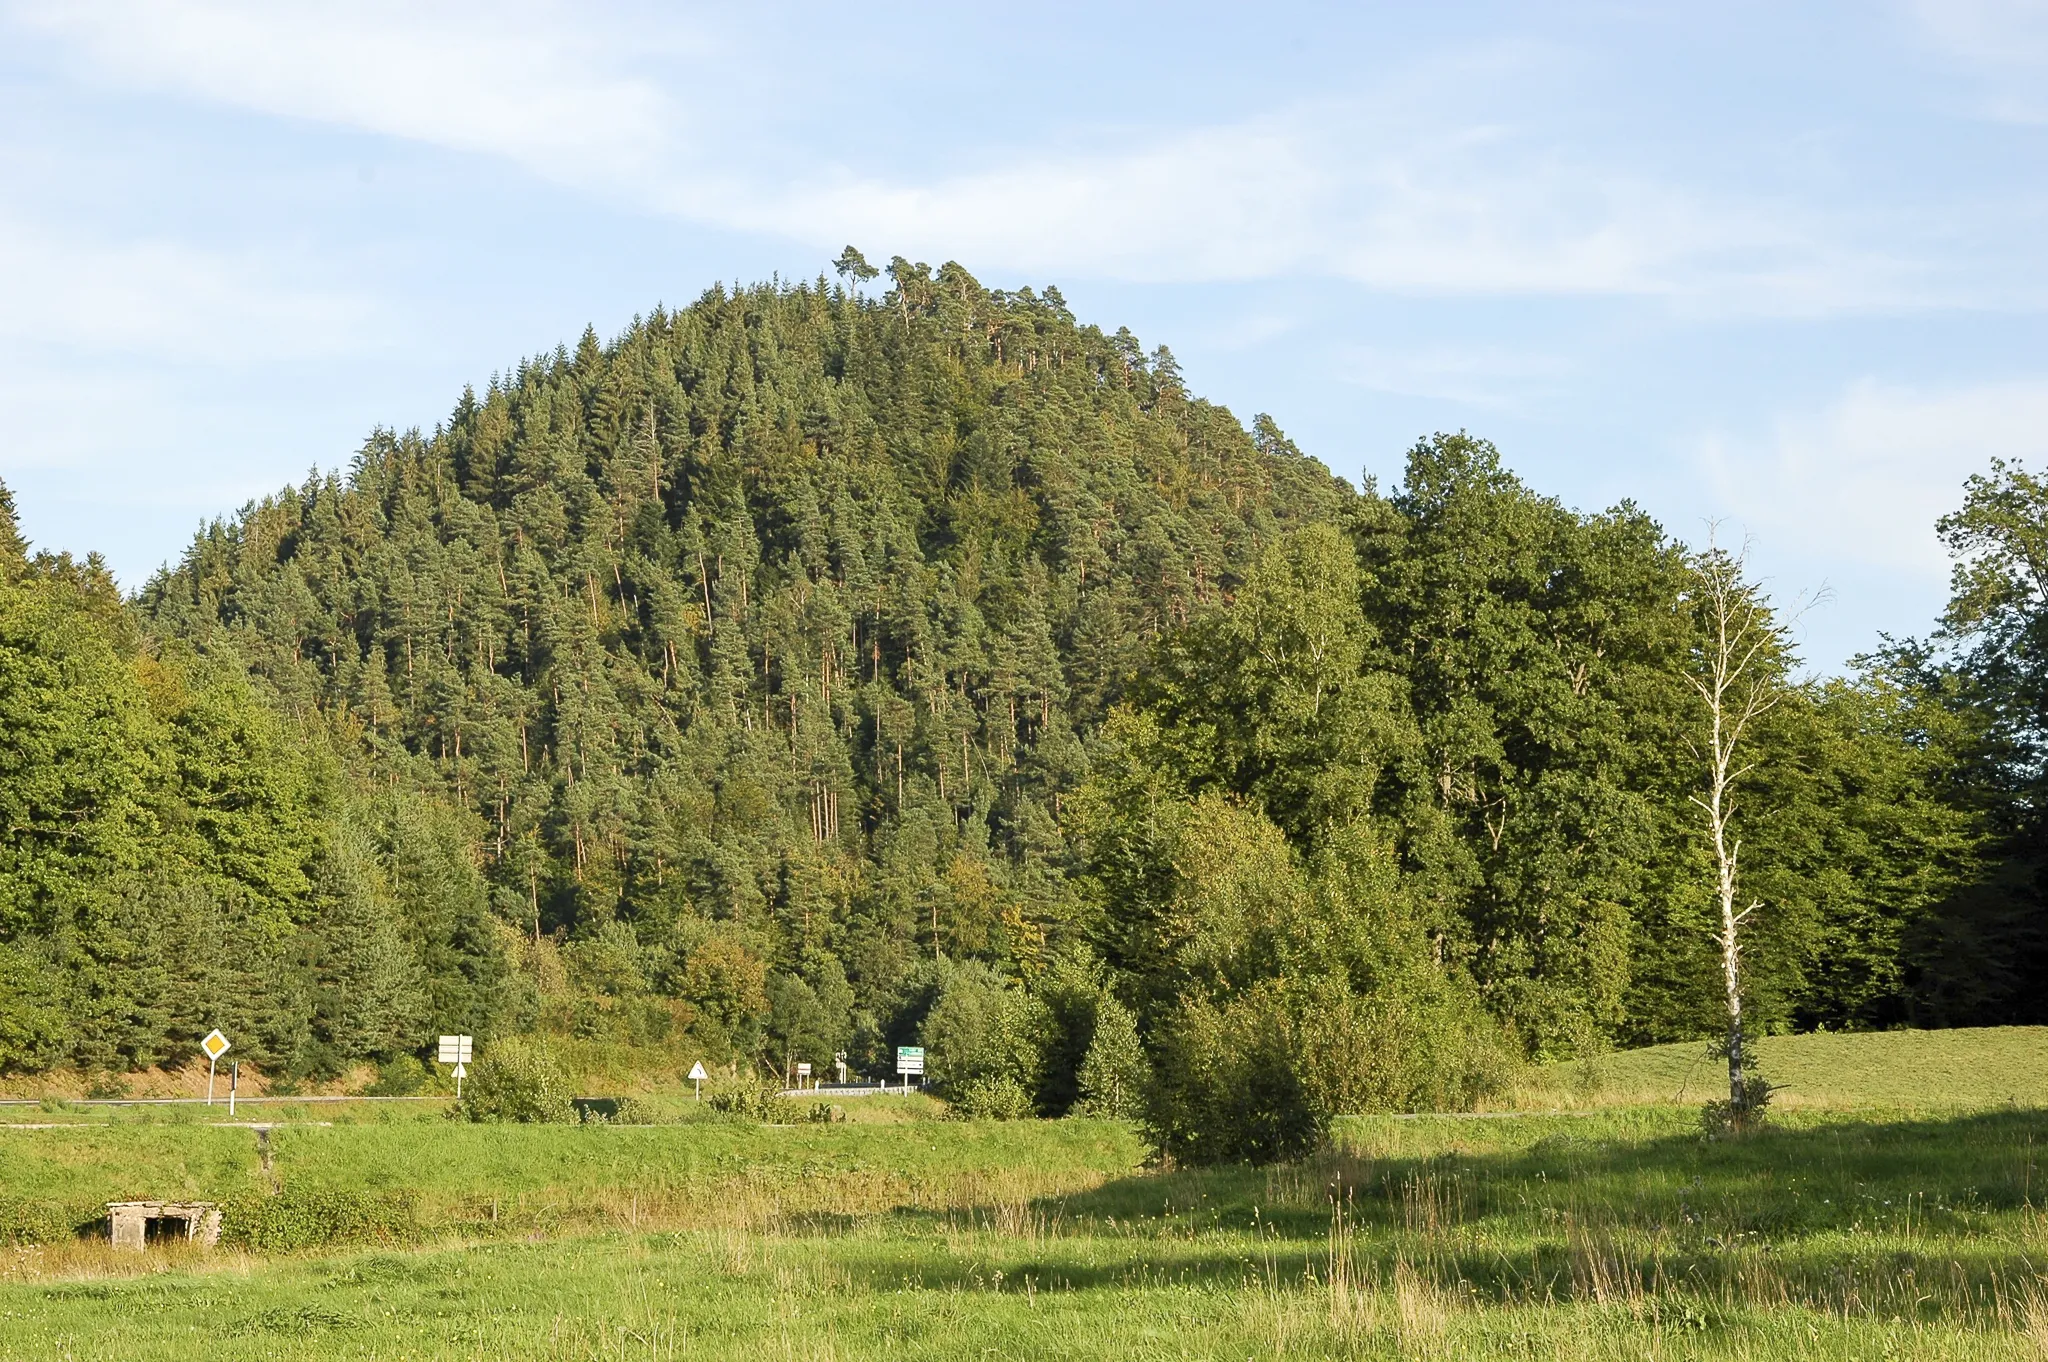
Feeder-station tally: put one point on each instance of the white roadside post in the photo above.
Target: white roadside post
(697, 1077)
(910, 1060)
(456, 1050)
(215, 1046)
(234, 1082)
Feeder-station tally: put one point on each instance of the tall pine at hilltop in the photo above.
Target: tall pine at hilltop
(767, 637)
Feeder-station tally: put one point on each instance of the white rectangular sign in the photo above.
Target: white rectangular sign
(803, 1071)
(910, 1059)
(456, 1049)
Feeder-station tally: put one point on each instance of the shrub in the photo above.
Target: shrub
(611, 1111)
(26, 1221)
(1115, 1074)
(399, 1076)
(1258, 1076)
(518, 1082)
(107, 1086)
(742, 1099)
(298, 1219)
(1230, 1087)
(983, 1037)
(1725, 1118)
(991, 1097)
(1072, 989)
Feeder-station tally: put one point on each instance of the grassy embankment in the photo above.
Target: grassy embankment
(610, 1068)
(1872, 1233)
(1988, 1066)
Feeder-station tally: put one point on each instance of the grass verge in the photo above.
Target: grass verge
(1619, 1234)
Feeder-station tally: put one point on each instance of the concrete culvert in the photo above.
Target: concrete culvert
(138, 1224)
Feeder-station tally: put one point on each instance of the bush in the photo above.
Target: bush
(991, 1097)
(741, 1099)
(1072, 989)
(298, 1219)
(984, 1037)
(611, 1111)
(1259, 1076)
(1725, 1118)
(518, 1082)
(1115, 1074)
(25, 1221)
(399, 1076)
(1230, 1084)
(107, 1087)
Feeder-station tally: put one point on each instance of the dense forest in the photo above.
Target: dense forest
(815, 668)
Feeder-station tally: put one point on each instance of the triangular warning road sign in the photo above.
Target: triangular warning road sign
(697, 1074)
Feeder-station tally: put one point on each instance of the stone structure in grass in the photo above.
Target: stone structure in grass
(135, 1224)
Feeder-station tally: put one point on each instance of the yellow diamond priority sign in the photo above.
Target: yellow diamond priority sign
(215, 1044)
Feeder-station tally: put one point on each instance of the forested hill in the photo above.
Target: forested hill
(805, 671)
(785, 610)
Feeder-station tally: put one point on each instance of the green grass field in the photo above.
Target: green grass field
(1871, 1231)
(1934, 1069)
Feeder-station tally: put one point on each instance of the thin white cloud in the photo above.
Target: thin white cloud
(1481, 376)
(2004, 45)
(1995, 32)
(1863, 481)
(1226, 333)
(165, 298)
(1404, 191)
(1346, 190)
(526, 82)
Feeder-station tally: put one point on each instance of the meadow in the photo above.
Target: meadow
(1868, 1227)
(1974, 1067)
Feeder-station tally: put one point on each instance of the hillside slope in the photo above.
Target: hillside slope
(1965, 1067)
(770, 631)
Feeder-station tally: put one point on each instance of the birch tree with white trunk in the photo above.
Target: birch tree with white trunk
(1739, 680)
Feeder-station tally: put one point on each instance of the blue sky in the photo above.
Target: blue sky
(1781, 265)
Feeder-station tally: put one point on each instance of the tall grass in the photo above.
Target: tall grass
(1610, 1236)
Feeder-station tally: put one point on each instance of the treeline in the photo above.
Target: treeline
(178, 855)
(760, 680)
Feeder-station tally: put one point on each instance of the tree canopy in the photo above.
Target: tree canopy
(802, 668)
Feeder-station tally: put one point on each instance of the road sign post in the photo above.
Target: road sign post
(910, 1060)
(456, 1050)
(215, 1046)
(697, 1077)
